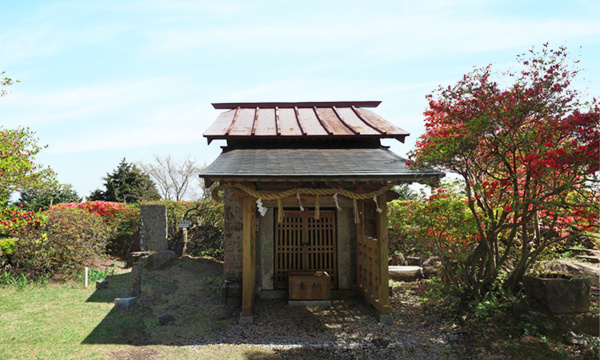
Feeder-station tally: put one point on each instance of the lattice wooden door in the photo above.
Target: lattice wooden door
(303, 243)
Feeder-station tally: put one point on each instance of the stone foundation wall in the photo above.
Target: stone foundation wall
(233, 236)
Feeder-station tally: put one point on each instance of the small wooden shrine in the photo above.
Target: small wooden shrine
(305, 190)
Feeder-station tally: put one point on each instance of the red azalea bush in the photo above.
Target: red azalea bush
(528, 156)
(123, 219)
(16, 220)
(106, 209)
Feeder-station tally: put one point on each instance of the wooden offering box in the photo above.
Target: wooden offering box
(309, 285)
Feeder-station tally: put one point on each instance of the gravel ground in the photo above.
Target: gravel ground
(346, 330)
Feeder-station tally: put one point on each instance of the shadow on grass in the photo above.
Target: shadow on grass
(178, 303)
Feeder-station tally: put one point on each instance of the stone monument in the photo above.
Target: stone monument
(153, 227)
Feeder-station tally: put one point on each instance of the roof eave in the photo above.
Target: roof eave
(391, 178)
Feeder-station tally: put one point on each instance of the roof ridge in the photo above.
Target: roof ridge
(296, 104)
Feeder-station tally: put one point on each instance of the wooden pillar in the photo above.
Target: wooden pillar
(248, 256)
(382, 236)
(360, 232)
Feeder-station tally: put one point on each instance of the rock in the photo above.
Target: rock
(101, 284)
(159, 259)
(573, 339)
(563, 294)
(137, 256)
(380, 342)
(135, 286)
(557, 324)
(396, 259)
(165, 319)
(414, 260)
(405, 273)
(125, 302)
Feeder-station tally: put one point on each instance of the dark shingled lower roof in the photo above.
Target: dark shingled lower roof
(313, 163)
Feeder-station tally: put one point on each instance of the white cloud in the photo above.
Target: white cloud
(381, 38)
(57, 106)
(170, 125)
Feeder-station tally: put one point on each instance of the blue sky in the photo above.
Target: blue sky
(105, 80)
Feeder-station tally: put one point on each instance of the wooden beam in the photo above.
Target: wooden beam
(247, 258)
(382, 237)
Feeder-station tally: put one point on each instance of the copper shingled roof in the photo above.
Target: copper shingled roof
(302, 119)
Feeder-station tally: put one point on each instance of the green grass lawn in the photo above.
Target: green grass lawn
(69, 322)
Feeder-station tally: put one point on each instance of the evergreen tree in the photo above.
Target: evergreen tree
(35, 199)
(127, 183)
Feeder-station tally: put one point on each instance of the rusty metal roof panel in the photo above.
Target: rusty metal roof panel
(220, 126)
(330, 120)
(352, 119)
(243, 123)
(310, 123)
(265, 122)
(341, 119)
(379, 122)
(288, 124)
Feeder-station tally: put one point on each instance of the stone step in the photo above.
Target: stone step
(591, 259)
(405, 273)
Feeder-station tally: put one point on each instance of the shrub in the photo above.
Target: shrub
(205, 235)
(16, 220)
(7, 248)
(123, 219)
(64, 242)
(127, 222)
(401, 231)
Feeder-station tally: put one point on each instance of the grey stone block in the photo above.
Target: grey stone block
(385, 319)
(153, 227)
(101, 284)
(125, 302)
(159, 259)
(246, 320)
